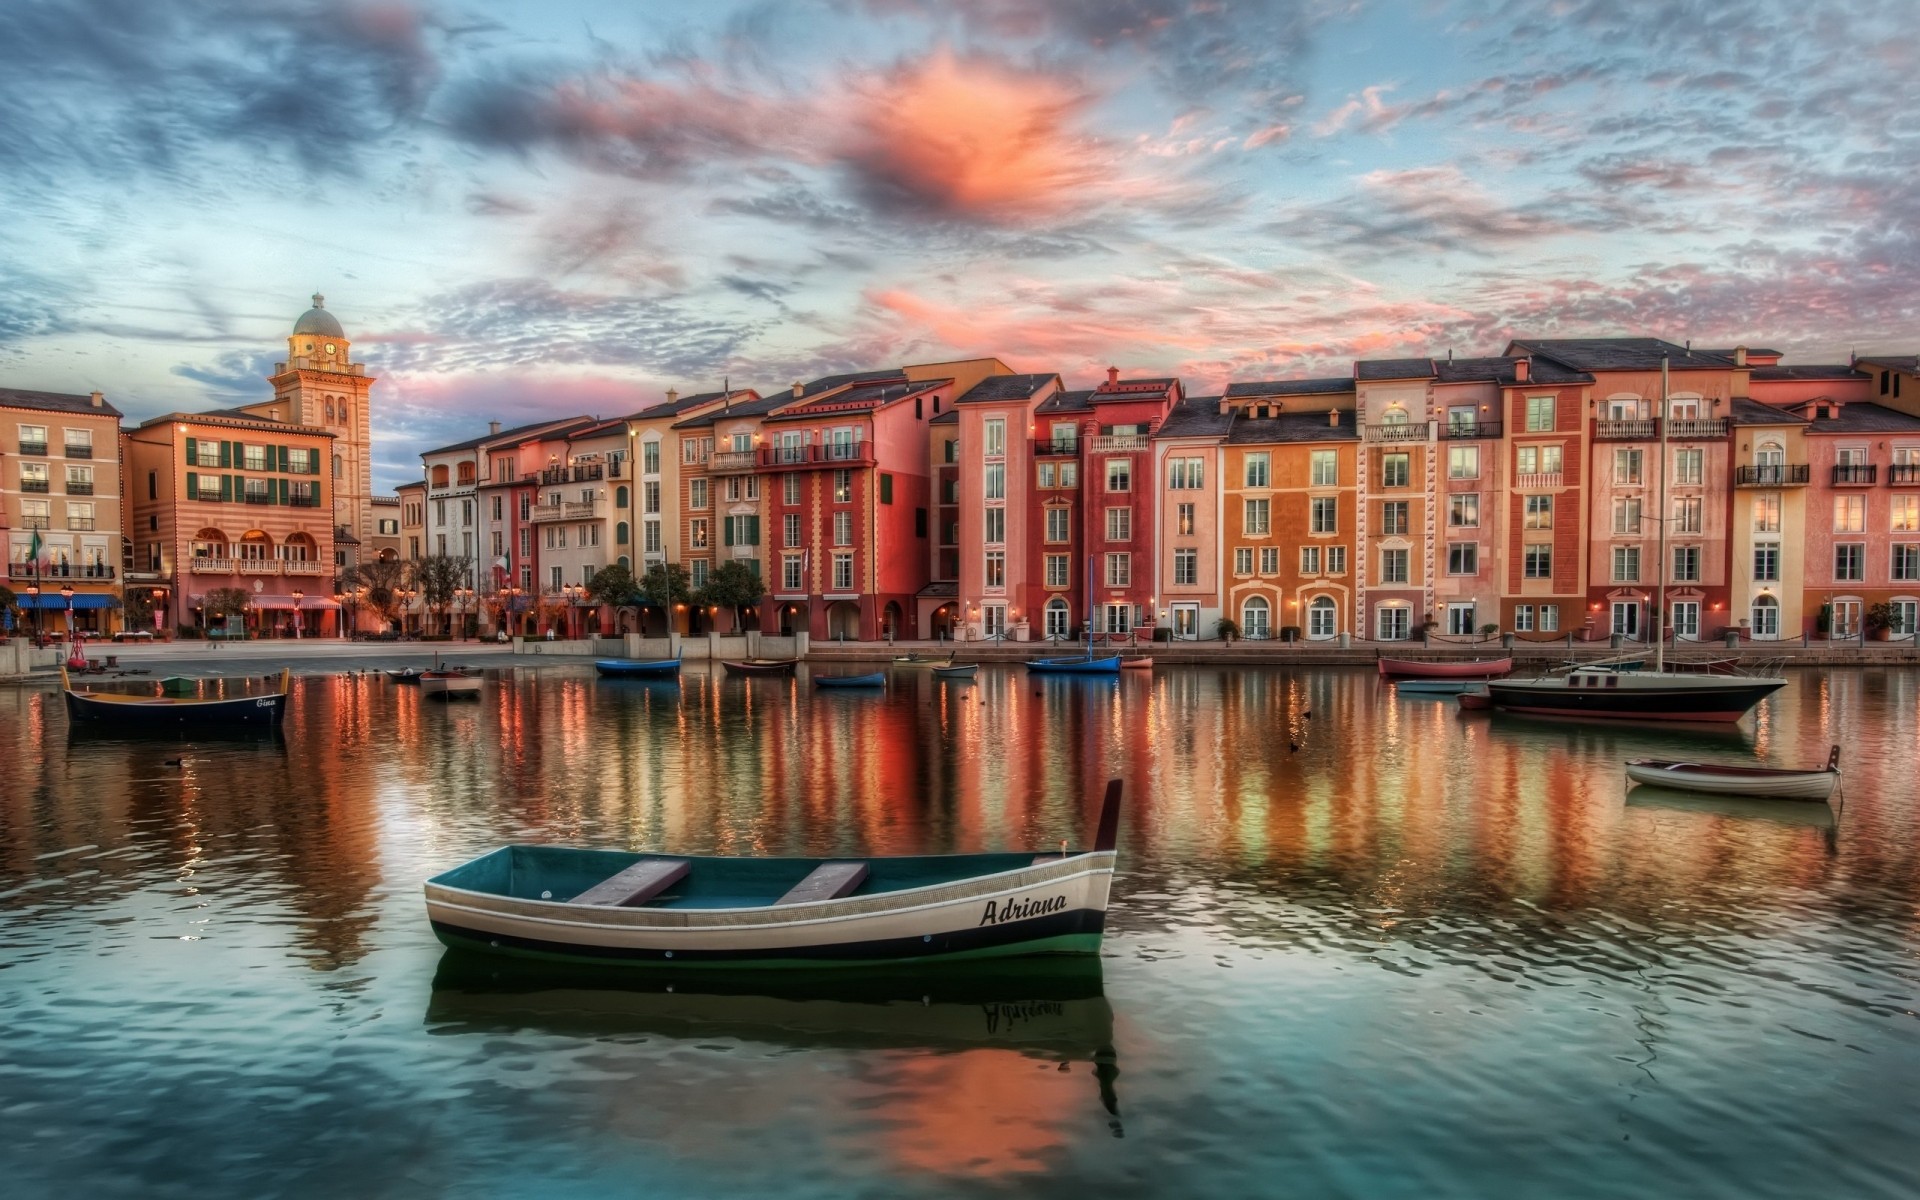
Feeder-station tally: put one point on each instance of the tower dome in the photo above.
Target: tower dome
(318, 321)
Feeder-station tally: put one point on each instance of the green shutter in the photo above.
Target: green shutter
(284, 460)
(886, 488)
(226, 481)
(193, 480)
(726, 530)
(193, 448)
(753, 531)
(279, 489)
(226, 454)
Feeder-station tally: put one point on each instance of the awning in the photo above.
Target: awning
(307, 603)
(56, 600)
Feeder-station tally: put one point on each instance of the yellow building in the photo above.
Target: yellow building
(1770, 477)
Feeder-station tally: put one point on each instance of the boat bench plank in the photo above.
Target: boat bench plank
(637, 884)
(828, 881)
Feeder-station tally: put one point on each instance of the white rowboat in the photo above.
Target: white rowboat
(1721, 780)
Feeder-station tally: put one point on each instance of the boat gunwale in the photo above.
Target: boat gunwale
(1731, 771)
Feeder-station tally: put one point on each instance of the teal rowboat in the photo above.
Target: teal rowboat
(656, 910)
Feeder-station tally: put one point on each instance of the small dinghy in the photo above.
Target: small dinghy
(1143, 663)
(1477, 700)
(405, 675)
(1436, 687)
(1084, 664)
(957, 671)
(918, 660)
(1720, 780)
(876, 679)
(611, 906)
(760, 666)
(1478, 668)
(449, 685)
(620, 668)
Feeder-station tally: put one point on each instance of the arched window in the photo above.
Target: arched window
(1765, 618)
(1254, 617)
(336, 466)
(344, 420)
(1323, 618)
(620, 531)
(329, 410)
(620, 498)
(1395, 415)
(626, 562)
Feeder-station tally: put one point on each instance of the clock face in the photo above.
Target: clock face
(329, 347)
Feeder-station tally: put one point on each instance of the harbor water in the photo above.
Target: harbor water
(1360, 945)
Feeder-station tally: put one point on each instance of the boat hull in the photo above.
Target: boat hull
(254, 711)
(967, 671)
(877, 679)
(1480, 668)
(1754, 782)
(749, 667)
(455, 687)
(1677, 698)
(1075, 666)
(666, 668)
(1435, 687)
(1056, 907)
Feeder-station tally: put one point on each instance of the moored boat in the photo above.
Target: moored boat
(405, 675)
(621, 668)
(873, 680)
(760, 666)
(1435, 687)
(130, 712)
(921, 660)
(611, 906)
(449, 685)
(957, 671)
(1079, 664)
(1477, 700)
(1478, 668)
(1142, 662)
(1633, 695)
(1721, 779)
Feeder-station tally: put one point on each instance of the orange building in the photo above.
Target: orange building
(60, 489)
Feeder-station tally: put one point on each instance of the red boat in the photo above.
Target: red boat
(1478, 668)
(760, 666)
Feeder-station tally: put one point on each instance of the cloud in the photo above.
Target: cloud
(1434, 208)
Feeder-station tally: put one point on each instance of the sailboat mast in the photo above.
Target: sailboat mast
(1660, 517)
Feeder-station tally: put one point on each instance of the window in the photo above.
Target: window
(1686, 619)
(843, 529)
(1766, 563)
(1394, 518)
(1523, 618)
(259, 491)
(1906, 514)
(1460, 621)
(1393, 566)
(995, 436)
(697, 573)
(1539, 414)
(1393, 623)
(1243, 560)
(1626, 467)
(1537, 561)
(1269, 560)
(526, 544)
(1336, 560)
(1463, 511)
(743, 531)
(1689, 466)
(843, 572)
(1044, 472)
(996, 569)
(1119, 475)
(1183, 519)
(792, 577)
(1186, 474)
(1119, 570)
(1058, 523)
(995, 528)
(1764, 618)
(556, 580)
(1254, 616)
(1463, 558)
(33, 440)
(37, 513)
(1069, 474)
(843, 485)
(1549, 618)
(1396, 470)
(1259, 472)
(1057, 570)
(1539, 512)
(1186, 567)
(1323, 515)
(1119, 524)
(80, 515)
(695, 450)
(1463, 462)
(1906, 563)
(697, 534)
(1626, 516)
(1326, 468)
(1323, 618)
(790, 530)
(1626, 564)
(254, 458)
(996, 481)
(1849, 562)
(649, 497)
(1258, 517)
(1686, 564)
(698, 494)
(1849, 514)
(301, 461)
(1766, 514)
(1538, 460)
(207, 454)
(1309, 560)
(1686, 514)
(33, 477)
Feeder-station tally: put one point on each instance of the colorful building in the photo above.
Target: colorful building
(60, 508)
(1004, 491)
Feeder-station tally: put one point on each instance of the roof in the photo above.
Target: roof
(940, 589)
(1293, 427)
(1752, 412)
(1809, 372)
(237, 418)
(1059, 402)
(514, 436)
(55, 402)
(681, 404)
(318, 321)
(863, 398)
(1195, 416)
(388, 501)
(1897, 362)
(760, 406)
(1291, 387)
(1861, 417)
(1501, 369)
(1393, 368)
(410, 485)
(1007, 387)
(949, 417)
(1753, 352)
(1622, 354)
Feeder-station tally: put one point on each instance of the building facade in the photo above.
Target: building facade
(61, 490)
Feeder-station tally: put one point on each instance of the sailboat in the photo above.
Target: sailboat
(1080, 664)
(1636, 695)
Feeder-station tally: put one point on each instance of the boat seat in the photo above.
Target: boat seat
(828, 881)
(637, 884)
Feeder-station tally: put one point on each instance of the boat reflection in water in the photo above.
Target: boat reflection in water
(1048, 1009)
(1806, 816)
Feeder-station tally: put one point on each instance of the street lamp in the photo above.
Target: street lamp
(298, 596)
(66, 593)
(33, 599)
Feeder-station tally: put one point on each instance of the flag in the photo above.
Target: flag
(33, 551)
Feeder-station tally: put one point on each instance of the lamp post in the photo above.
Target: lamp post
(298, 596)
(66, 593)
(33, 600)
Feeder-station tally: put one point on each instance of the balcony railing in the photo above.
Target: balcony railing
(1405, 431)
(27, 571)
(210, 566)
(1855, 473)
(37, 486)
(578, 509)
(30, 521)
(1696, 428)
(1626, 431)
(1109, 442)
(79, 451)
(1056, 447)
(37, 449)
(80, 524)
(1785, 475)
(729, 461)
(1904, 474)
(302, 567)
(256, 566)
(299, 501)
(1537, 480)
(257, 498)
(543, 512)
(813, 457)
(79, 488)
(1468, 431)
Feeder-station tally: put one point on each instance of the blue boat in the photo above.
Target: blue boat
(1079, 664)
(876, 679)
(620, 668)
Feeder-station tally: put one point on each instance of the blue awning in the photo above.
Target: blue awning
(56, 600)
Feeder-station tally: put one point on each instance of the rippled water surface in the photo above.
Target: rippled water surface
(1360, 946)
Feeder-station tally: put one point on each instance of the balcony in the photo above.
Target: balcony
(80, 524)
(730, 462)
(256, 566)
(1785, 475)
(1056, 448)
(34, 521)
(813, 458)
(257, 498)
(79, 451)
(301, 567)
(299, 501)
(1697, 429)
(210, 566)
(1405, 431)
(1904, 475)
(36, 486)
(1115, 442)
(543, 512)
(79, 488)
(1626, 431)
(1855, 475)
(1537, 481)
(579, 510)
(58, 571)
(36, 449)
(1469, 431)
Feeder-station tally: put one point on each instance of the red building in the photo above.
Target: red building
(1117, 498)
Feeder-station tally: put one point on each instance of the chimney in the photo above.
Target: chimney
(673, 394)
(1522, 369)
(1113, 376)
(799, 389)
(99, 400)
(1739, 356)
(1333, 418)
(493, 428)
(1226, 406)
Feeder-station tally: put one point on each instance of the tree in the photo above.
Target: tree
(383, 579)
(613, 585)
(1227, 629)
(734, 585)
(664, 586)
(438, 576)
(224, 602)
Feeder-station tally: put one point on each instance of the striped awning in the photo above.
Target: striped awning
(285, 603)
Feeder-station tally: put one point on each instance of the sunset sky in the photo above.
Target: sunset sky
(572, 205)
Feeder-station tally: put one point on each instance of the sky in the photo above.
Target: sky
(520, 209)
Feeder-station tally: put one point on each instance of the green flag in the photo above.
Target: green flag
(33, 549)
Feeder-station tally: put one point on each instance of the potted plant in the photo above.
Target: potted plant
(1823, 620)
(1489, 629)
(1883, 621)
(1227, 630)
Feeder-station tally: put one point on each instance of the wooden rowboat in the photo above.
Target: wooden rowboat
(1479, 668)
(1478, 700)
(405, 675)
(1083, 664)
(1722, 780)
(916, 660)
(874, 680)
(620, 668)
(131, 713)
(1142, 663)
(449, 685)
(760, 666)
(957, 671)
(610, 906)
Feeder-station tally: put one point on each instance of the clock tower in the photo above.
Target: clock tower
(320, 386)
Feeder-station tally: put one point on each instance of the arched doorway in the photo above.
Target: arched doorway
(940, 625)
(1764, 619)
(1323, 618)
(1057, 620)
(299, 547)
(255, 546)
(892, 621)
(843, 621)
(1255, 618)
(210, 544)
(794, 617)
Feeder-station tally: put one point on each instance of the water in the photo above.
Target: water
(1380, 950)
